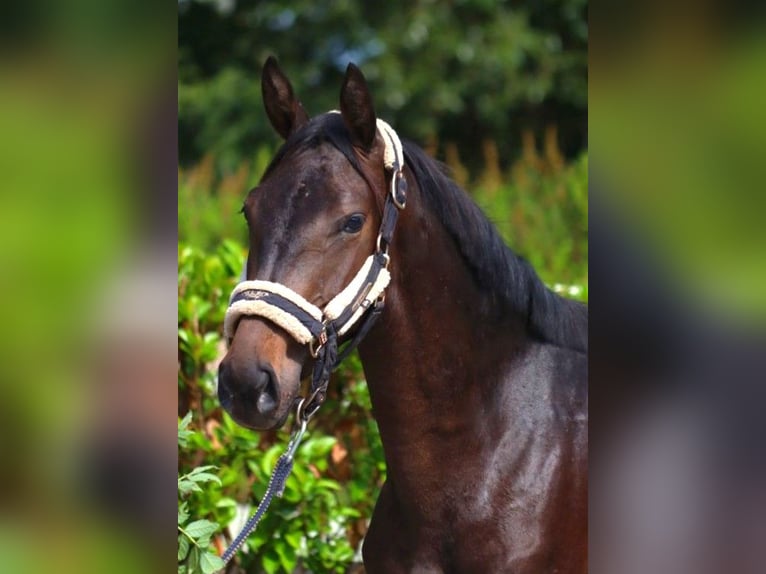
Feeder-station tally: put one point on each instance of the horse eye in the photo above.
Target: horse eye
(354, 223)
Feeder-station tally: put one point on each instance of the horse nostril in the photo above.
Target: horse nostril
(247, 387)
(266, 386)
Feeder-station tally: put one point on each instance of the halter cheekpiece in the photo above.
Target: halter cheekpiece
(364, 296)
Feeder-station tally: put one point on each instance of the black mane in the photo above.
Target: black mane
(497, 269)
(508, 278)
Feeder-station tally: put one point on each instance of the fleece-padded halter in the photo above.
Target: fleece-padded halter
(305, 322)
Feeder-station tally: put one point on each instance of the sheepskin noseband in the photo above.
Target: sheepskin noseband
(305, 322)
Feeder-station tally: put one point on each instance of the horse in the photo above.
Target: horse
(476, 370)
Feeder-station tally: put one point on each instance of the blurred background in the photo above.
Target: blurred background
(87, 286)
(676, 332)
(496, 90)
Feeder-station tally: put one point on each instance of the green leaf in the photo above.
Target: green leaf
(192, 561)
(200, 528)
(187, 486)
(294, 539)
(204, 468)
(318, 447)
(350, 512)
(183, 513)
(183, 432)
(270, 562)
(210, 563)
(226, 503)
(292, 491)
(198, 475)
(286, 553)
(184, 423)
(183, 547)
(328, 484)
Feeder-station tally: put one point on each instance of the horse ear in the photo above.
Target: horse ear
(284, 110)
(357, 109)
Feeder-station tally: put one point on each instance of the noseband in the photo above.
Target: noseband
(364, 296)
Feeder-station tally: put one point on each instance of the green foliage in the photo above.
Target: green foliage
(339, 468)
(209, 207)
(194, 537)
(204, 284)
(450, 71)
(544, 217)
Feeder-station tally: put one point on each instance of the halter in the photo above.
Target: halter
(364, 295)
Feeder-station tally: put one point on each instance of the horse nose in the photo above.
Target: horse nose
(253, 385)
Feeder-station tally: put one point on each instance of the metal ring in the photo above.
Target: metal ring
(301, 413)
(299, 409)
(297, 435)
(378, 249)
(394, 181)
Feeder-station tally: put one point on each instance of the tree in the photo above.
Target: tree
(459, 71)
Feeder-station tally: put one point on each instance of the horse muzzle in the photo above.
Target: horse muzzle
(258, 389)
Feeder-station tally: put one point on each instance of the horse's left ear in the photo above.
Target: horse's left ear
(357, 109)
(284, 110)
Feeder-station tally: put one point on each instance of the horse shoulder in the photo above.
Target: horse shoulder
(540, 461)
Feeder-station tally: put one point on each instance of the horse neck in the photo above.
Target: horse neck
(439, 349)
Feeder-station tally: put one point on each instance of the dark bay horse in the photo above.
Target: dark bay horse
(477, 372)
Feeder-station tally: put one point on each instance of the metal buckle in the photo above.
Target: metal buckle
(321, 339)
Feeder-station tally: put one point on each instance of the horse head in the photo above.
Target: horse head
(313, 221)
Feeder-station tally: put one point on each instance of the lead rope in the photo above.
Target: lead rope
(327, 360)
(276, 487)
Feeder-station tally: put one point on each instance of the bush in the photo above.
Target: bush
(544, 218)
(319, 522)
(194, 537)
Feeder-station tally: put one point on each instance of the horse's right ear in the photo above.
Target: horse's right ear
(284, 110)
(357, 109)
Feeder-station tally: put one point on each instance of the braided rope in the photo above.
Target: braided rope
(276, 486)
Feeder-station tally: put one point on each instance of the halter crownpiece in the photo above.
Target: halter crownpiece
(320, 328)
